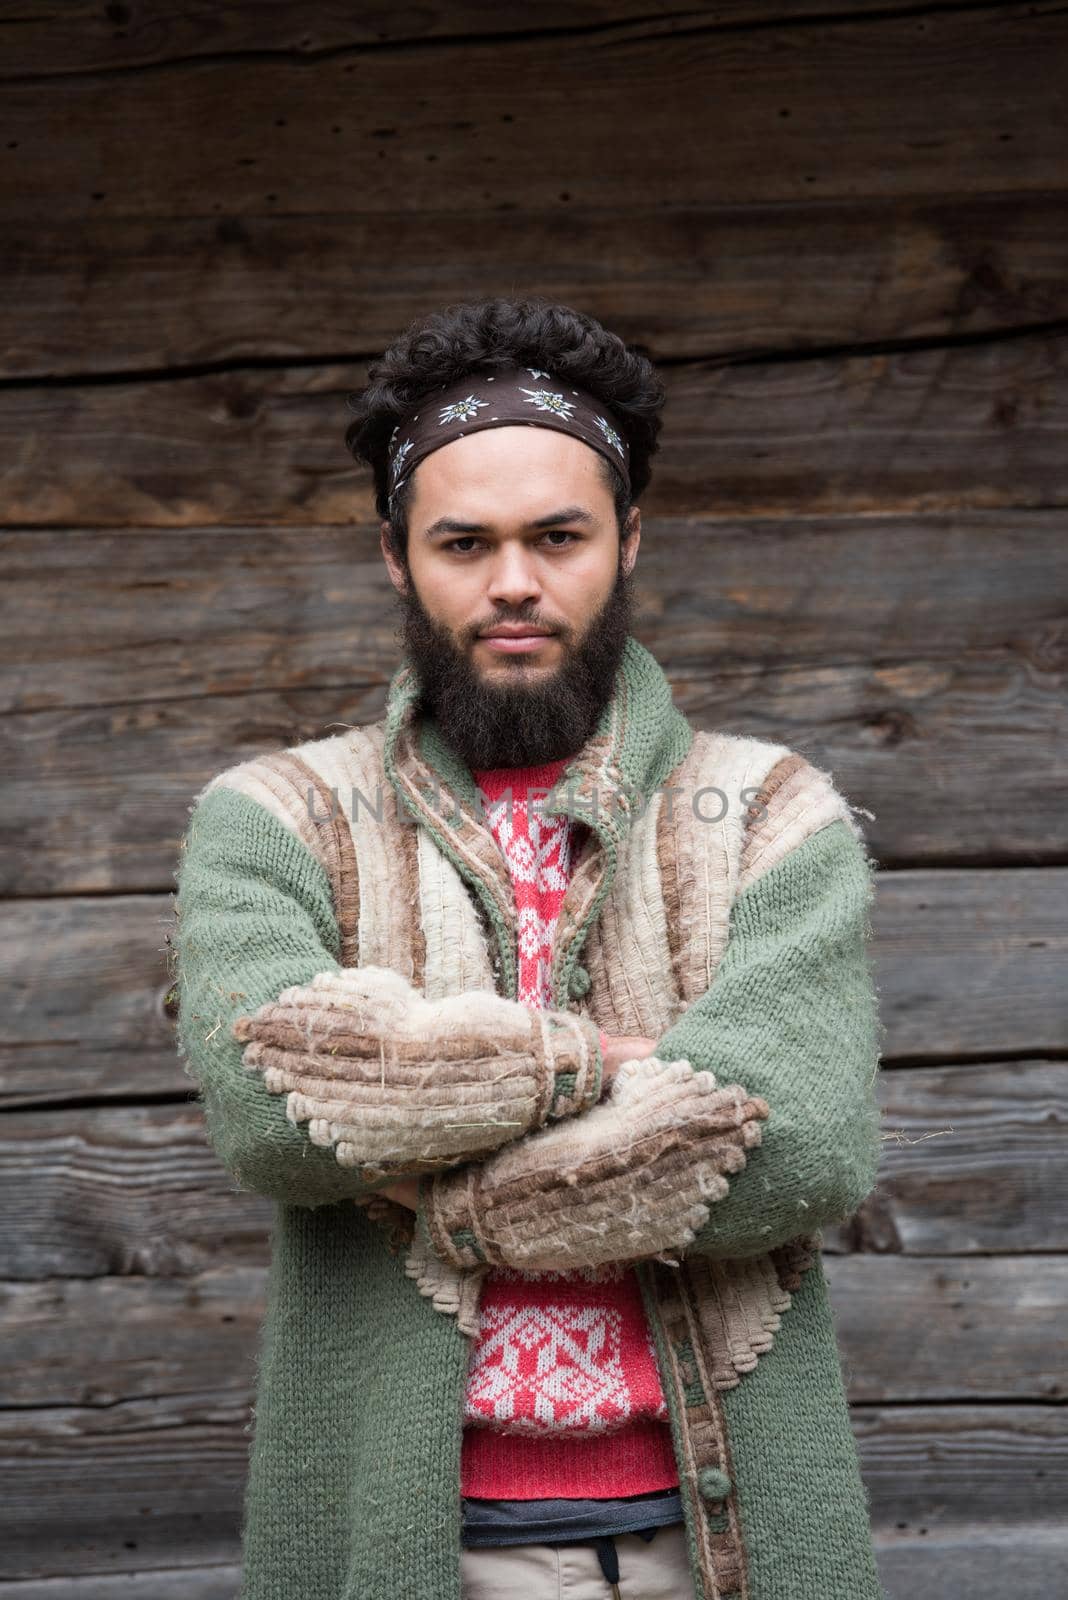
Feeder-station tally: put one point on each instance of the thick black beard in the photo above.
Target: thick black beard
(521, 720)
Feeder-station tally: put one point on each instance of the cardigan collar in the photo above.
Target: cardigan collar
(640, 738)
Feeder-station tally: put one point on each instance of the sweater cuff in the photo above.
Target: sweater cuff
(573, 1050)
(446, 1208)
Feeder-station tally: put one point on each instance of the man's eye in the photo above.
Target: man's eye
(469, 538)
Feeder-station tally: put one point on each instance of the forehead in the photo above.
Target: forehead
(514, 465)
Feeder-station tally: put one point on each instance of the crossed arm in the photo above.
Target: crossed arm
(493, 1109)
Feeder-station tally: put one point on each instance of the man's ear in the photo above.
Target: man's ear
(394, 566)
(632, 537)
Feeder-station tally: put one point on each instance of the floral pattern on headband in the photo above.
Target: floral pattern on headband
(610, 434)
(463, 410)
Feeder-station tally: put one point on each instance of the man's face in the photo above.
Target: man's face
(477, 559)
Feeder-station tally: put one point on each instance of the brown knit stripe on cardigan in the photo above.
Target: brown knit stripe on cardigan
(408, 896)
(334, 846)
(700, 839)
(454, 933)
(456, 821)
(295, 794)
(705, 1435)
(389, 933)
(798, 799)
(634, 924)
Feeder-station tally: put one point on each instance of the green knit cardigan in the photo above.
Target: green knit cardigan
(353, 1487)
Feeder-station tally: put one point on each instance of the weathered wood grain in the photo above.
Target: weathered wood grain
(113, 617)
(148, 1472)
(972, 1159)
(969, 964)
(121, 295)
(95, 39)
(957, 101)
(964, 427)
(972, 1163)
(930, 1330)
(967, 960)
(138, 674)
(955, 762)
(174, 1583)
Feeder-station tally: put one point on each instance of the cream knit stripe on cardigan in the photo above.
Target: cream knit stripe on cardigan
(702, 839)
(255, 917)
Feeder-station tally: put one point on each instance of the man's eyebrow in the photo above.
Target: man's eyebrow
(565, 514)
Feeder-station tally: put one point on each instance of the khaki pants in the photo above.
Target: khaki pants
(657, 1570)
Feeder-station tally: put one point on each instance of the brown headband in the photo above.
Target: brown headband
(500, 399)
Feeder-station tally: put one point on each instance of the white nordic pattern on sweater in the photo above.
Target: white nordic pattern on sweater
(555, 1365)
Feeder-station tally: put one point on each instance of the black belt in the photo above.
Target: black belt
(501, 1522)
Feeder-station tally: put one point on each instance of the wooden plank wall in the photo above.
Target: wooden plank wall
(840, 230)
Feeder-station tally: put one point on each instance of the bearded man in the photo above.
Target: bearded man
(547, 1023)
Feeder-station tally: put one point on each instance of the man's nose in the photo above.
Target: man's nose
(513, 578)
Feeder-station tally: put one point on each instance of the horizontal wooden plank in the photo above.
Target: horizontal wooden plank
(972, 1160)
(968, 964)
(85, 1010)
(967, 959)
(963, 1559)
(122, 295)
(955, 428)
(1026, 1559)
(122, 1488)
(844, 639)
(975, 1330)
(174, 1583)
(960, 762)
(113, 617)
(119, 1191)
(939, 1468)
(141, 1338)
(929, 1328)
(971, 1164)
(726, 117)
(102, 40)
(149, 1471)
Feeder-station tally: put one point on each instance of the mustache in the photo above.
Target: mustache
(519, 622)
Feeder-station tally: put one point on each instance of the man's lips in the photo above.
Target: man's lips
(515, 638)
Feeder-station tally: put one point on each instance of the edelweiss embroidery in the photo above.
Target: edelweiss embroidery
(549, 400)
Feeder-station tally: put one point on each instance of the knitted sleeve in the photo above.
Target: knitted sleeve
(793, 1014)
(319, 1081)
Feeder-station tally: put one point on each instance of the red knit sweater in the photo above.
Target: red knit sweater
(563, 1393)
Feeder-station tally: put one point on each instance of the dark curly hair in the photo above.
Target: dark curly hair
(482, 335)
